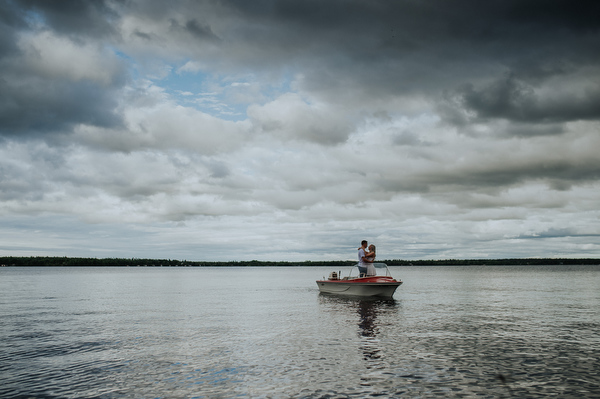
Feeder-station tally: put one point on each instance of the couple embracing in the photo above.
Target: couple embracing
(366, 256)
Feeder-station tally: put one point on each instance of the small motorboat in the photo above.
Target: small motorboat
(381, 285)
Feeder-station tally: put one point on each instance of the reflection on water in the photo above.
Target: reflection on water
(373, 352)
(367, 310)
(365, 313)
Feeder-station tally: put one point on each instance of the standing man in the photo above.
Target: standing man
(362, 258)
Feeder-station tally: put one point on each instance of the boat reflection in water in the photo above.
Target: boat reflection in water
(368, 328)
(369, 313)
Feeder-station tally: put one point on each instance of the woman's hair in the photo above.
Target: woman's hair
(372, 248)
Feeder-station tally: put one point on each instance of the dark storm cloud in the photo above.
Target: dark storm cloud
(511, 99)
(491, 58)
(559, 174)
(494, 57)
(363, 50)
(35, 98)
(434, 31)
(195, 29)
(11, 20)
(38, 106)
(496, 174)
(74, 17)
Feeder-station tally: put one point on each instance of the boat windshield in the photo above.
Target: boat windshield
(380, 268)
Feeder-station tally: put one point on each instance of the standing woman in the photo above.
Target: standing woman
(370, 256)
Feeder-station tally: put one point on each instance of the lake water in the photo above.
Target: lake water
(449, 332)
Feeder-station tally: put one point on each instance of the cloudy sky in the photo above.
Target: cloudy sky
(291, 130)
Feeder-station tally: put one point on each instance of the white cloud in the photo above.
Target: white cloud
(292, 117)
(51, 56)
(191, 66)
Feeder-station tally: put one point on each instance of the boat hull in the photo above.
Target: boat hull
(368, 287)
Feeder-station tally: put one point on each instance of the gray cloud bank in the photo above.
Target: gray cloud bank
(292, 130)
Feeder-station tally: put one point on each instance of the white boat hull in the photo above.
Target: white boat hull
(358, 289)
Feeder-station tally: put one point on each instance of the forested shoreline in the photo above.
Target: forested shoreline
(137, 262)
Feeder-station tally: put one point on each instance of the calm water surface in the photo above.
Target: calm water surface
(449, 332)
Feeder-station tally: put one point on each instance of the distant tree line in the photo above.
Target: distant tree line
(123, 262)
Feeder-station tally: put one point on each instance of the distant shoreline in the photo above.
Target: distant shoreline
(47, 261)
